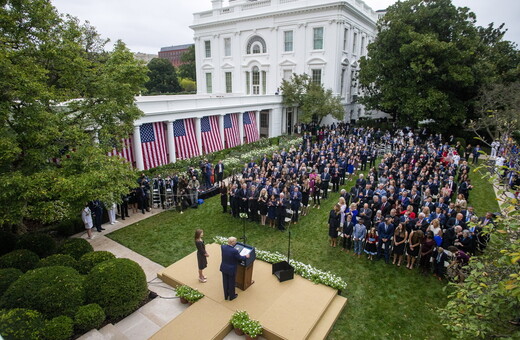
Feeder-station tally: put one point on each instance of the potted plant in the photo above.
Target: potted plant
(237, 321)
(188, 294)
(252, 329)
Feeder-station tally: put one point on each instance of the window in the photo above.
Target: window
(288, 41)
(256, 41)
(209, 83)
(287, 74)
(264, 82)
(256, 49)
(354, 43)
(264, 120)
(248, 82)
(362, 46)
(229, 84)
(227, 47)
(316, 76)
(207, 48)
(256, 80)
(342, 85)
(345, 39)
(318, 38)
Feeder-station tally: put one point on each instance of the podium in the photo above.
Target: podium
(244, 277)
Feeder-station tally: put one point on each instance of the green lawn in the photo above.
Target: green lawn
(384, 301)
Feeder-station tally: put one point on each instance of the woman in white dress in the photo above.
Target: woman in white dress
(86, 217)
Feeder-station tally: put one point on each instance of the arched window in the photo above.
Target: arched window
(256, 45)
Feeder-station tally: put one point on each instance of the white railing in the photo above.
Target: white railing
(286, 1)
(206, 14)
(256, 4)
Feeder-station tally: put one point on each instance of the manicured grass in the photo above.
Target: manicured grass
(384, 301)
(482, 197)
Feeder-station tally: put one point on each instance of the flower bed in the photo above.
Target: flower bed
(304, 270)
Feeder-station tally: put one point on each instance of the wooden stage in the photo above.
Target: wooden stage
(294, 309)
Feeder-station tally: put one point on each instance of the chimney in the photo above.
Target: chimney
(216, 4)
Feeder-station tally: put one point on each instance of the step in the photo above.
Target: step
(110, 332)
(93, 334)
(327, 320)
(137, 326)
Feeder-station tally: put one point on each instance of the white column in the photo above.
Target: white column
(138, 151)
(198, 135)
(276, 121)
(295, 119)
(257, 117)
(221, 129)
(241, 127)
(171, 142)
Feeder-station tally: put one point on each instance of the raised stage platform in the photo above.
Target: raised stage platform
(295, 309)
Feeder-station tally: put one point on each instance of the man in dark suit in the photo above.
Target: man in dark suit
(385, 230)
(243, 198)
(219, 170)
(228, 267)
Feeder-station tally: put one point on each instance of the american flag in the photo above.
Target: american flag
(185, 138)
(231, 132)
(127, 150)
(250, 129)
(153, 143)
(210, 132)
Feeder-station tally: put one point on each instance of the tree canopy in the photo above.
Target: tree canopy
(429, 61)
(64, 103)
(311, 98)
(163, 77)
(187, 69)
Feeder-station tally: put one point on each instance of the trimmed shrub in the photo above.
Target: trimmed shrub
(8, 276)
(89, 317)
(70, 227)
(21, 324)
(58, 260)
(42, 244)
(89, 260)
(22, 259)
(117, 285)
(7, 242)
(52, 291)
(75, 247)
(59, 328)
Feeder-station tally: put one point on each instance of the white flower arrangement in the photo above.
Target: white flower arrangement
(304, 270)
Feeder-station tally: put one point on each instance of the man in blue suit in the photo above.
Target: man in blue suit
(385, 231)
(228, 267)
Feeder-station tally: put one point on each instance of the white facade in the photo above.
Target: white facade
(245, 50)
(276, 38)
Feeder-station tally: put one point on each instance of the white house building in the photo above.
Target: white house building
(244, 50)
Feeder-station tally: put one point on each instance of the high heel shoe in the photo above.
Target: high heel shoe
(202, 280)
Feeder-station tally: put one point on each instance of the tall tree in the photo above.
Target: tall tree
(498, 111)
(425, 63)
(187, 68)
(311, 98)
(59, 94)
(163, 77)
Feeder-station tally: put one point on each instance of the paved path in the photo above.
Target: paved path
(148, 319)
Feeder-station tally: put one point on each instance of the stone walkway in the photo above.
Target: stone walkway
(147, 320)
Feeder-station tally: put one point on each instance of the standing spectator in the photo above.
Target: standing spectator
(306, 190)
(202, 254)
(193, 187)
(86, 217)
(476, 154)
(385, 231)
(296, 199)
(123, 207)
(223, 196)
(439, 257)
(219, 170)
(262, 205)
(414, 245)
(334, 224)
(271, 210)
(427, 246)
(112, 213)
(371, 244)
(96, 208)
(358, 236)
(348, 229)
(400, 237)
(316, 192)
(281, 210)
